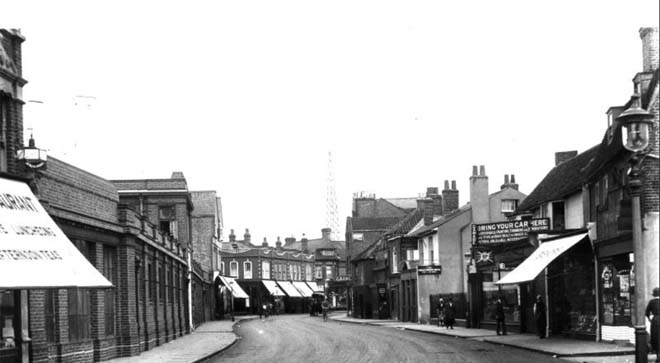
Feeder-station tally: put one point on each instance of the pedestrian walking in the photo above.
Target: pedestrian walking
(499, 316)
(440, 312)
(539, 316)
(450, 314)
(652, 312)
(325, 306)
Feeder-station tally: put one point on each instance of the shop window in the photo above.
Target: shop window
(49, 314)
(78, 309)
(509, 293)
(233, 269)
(308, 272)
(109, 271)
(616, 278)
(9, 315)
(247, 270)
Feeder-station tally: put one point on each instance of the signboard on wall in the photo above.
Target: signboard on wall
(509, 231)
(429, 270)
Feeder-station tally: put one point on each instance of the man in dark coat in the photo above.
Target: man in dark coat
(499, 316)
(450, 314)
(652, 311)
(539, 316)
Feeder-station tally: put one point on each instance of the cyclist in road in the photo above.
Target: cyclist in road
(325, 305)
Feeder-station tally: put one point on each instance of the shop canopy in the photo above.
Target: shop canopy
(540, 259)
(316, 288)
(34, 252)
(272, 288)
(289, 289)
(303, 288)
(233, 286)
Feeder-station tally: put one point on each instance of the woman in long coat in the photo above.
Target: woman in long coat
(450, 314)
(652, 312)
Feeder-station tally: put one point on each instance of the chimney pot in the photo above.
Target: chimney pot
(506, 178)
(474, 170)
(446, 184)
(482, 170)
(513, 179)
(264, 243)
(453, 185)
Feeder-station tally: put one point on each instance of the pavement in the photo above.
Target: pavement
(569, 349)
(207, 340)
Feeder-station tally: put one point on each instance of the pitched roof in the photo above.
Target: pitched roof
(442, 220)
(369, 252)
(374, 223)
(403, 203)
(314, 244)
(407, 223)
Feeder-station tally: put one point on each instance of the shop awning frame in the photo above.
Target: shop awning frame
(302, 287)
(541, 257)
(289, 289)
(234, 287)
(316, 288)
(272, 288)
(34, 252)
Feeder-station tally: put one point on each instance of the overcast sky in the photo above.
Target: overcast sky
(248, 97)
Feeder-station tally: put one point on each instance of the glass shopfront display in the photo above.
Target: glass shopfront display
(616, 279)
(9, 315)
(510, 296)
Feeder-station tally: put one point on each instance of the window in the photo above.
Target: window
(79, 322)
(167, 220)
(358, 236)
(49, 314)
(412, 255)
(308, 272)
(395, 260)
(265, 270)
(328, 272)
(247, 270)
(109, 271)
(222, 268)
(431, 251)
(558, 216)
(319, 272)
(4, 120)
(509, 205)
(290, 272)
(161, 285)
(327, 253)
(233, 269)
(151, 282)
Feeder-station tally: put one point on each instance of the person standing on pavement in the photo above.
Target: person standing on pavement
(450, 314)
(539, 316)
(652, 312)
(440, 311)
(325, 306)
(499, 316)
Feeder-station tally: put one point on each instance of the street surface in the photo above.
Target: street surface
(302, 338)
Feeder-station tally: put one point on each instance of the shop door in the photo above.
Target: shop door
(394, 305)
(556, 297)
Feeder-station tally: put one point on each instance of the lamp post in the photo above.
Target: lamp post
(636, 121)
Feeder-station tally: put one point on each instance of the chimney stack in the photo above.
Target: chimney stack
(427, 209)
(514, 185)
(278, 243)
(288, 241)
(246, 236)
(232, 236)
(649, 48)
(562, 156)
(449, 197)
(509, 183)
(264, 243)
(431, 191)
(304, 245)
(479, 195)
(325, 233)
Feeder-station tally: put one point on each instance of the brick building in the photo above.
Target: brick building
(11, 103)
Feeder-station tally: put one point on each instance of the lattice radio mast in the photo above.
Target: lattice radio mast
(331, 210)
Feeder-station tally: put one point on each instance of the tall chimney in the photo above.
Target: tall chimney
(649, 48)
(304, 244)
(449, 197)
(264, 243)
(246, 236)
(232, 236)
(479, 196)
(427, 208)
(325, 233)
(562, 156)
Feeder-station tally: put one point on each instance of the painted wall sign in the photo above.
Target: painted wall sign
(429, 270)
(509, 231)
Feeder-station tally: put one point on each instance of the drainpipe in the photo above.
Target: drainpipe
(190, 306)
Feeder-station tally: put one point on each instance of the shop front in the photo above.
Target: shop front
(34, 254)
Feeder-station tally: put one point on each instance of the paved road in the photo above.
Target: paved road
(301, 338)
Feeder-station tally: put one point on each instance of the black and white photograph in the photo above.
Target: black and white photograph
(329, 181)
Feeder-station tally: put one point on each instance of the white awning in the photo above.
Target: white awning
(316, 288)
(34, 252)
(289, 289)
(233, 286)
(540, 259)
(303, 288)
(272, 288)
